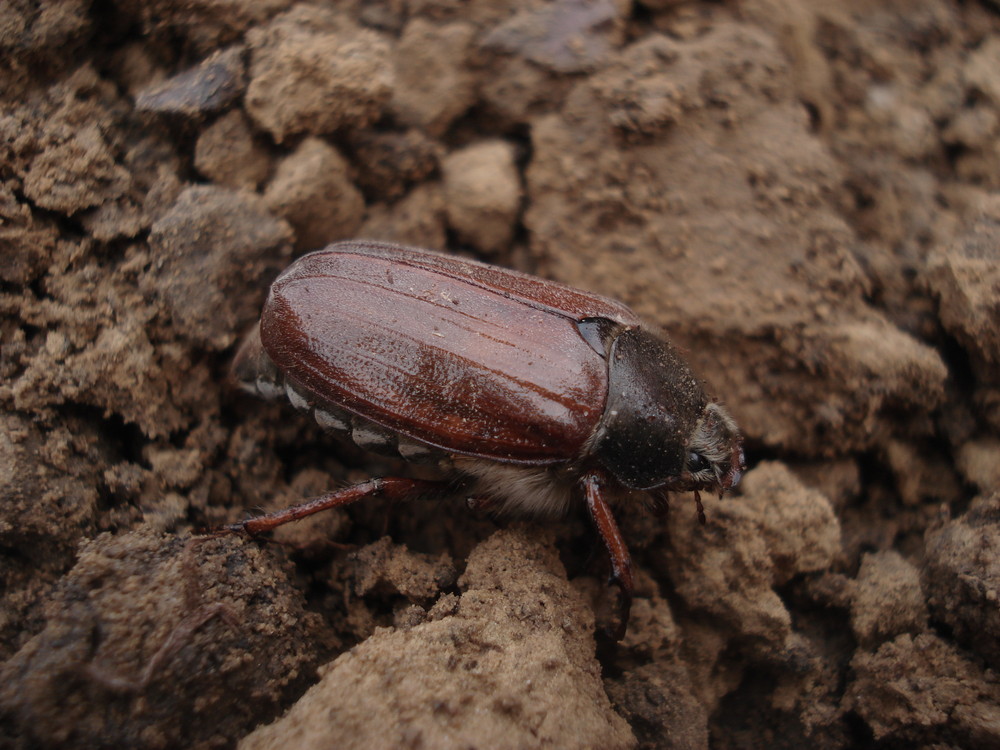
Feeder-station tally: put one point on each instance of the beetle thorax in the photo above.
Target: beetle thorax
(653, 407)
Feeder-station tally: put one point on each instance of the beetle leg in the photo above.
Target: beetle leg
(621, 561)
(396, 489)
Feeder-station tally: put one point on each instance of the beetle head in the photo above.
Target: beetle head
(714, 458)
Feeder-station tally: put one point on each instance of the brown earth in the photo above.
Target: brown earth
(804, 194)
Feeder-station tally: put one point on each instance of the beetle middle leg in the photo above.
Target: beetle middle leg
(621, 562)
(395, 489)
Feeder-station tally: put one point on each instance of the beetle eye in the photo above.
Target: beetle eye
(696, 463)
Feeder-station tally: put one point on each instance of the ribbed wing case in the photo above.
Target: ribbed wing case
(470, 358)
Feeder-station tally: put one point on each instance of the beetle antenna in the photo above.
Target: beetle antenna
(701, 508)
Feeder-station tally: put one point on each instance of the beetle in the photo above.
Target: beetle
(529, 394)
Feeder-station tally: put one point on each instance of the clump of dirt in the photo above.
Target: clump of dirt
(146, 622)
(915, 690)
(961, 574)
(802, 196)
(509, 663)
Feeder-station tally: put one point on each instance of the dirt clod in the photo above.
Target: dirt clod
(888, 600)
(962, 577)
(434, 84)
(483, 194)
(228, 154)
(313, 71)
(207, 235)
(313, 191)
(210, 87)
(922, 689)
(501, 669)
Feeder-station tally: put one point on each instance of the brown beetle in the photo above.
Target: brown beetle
(529, 393)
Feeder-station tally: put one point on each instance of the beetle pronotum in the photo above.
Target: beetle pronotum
(528, 394)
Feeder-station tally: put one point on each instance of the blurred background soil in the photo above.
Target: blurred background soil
(803, 194)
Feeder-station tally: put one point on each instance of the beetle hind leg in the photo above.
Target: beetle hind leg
(395, 489)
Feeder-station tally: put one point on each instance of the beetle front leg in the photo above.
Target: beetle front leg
(621, 562)
(395, 489)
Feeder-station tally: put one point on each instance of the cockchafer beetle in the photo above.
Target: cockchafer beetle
(526, 392)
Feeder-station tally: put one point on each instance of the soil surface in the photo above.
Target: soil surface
(805, 195)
